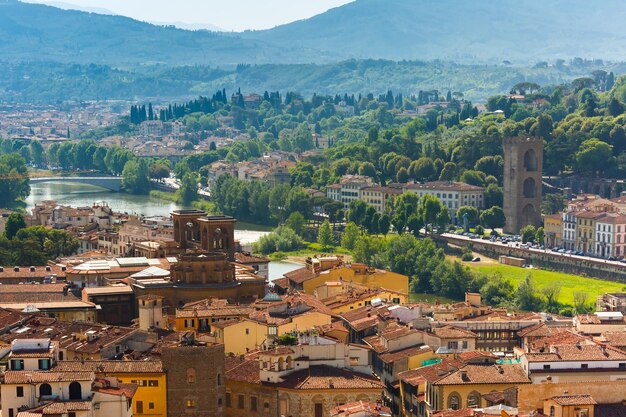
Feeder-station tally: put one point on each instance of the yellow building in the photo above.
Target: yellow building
(200, 316)
(569, 406)
(453, 384)
(342, 296)
(553, 228)
(317, 271)
(150, 400)
(273, 317)
(585, 230)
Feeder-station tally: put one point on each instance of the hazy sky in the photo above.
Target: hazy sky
(227, 14)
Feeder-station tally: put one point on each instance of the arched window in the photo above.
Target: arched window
(551, 411)
(191, 375)
(281, 364)
(340, 400)
(454, 401)
(473, 400)
(289, 362)
(530, 160)
(219, 380)
(529, 188)
(45, 390)
(76, 391)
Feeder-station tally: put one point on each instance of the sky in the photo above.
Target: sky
(234, 15)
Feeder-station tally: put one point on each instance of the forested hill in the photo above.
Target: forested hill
(35, 32)
(464, 31)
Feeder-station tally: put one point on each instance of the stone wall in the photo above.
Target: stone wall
(530, 397)
(195, 380)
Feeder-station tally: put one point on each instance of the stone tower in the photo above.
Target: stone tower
(523, 163)
(193, 229)
(151, 312)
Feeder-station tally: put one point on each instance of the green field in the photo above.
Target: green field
(570, 283)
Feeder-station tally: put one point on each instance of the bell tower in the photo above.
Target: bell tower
(523, 164)
(193, 229)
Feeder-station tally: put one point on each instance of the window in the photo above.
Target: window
(622, 365)
(546, 367)
(191, 376)
(153, 383)
(191, 403)
(253, 403)
(44, 364)
(454, 401)
(584, 365)
(71, 414)
(247, 331)
(219, 380)
(76, 391)
(17, 365)
(150, 406)
(266, 406)
(219, 402)
(453, 345)
(464, 344)
(228, 399)
(139, 407)
(241, 401)
(319, 410)
(551, 411)
(45, 390)
(473, 400)
(11, 412)
(19, 391)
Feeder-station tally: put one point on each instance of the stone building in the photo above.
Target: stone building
(195, 379)
(523, 163)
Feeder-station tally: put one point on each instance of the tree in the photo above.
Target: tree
(497, 291)
(296, 222)
(430, 209)
(528, 233)
(527, 298)
(368, 169)
(350, 236)
(188, 191)
(37, 153)
(443, 218)
(423, 169)
(471, 211)
(159, 170)
(594, 156)
(553, 203)
(281, 239)
(135, 177)
(540, 236)
(402, 176)
(14, 183)
(492, 217)
(551, 291)
(580, 301)
(449, 172)
(384, 223)
(14, 223)
(325, 236)
(473, 178)
(615, 108)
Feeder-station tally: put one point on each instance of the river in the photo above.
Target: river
(77, 195)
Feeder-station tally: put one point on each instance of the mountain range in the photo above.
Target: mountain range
(453, 30)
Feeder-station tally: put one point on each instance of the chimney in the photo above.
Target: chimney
(464, 376)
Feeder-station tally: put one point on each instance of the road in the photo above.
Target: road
(516, 245)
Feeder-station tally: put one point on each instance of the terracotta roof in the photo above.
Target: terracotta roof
(214, 311)
(476, 355)
(328, 377)
(451, 332)
(26, 377)
(581, 399)
(404, 353)
(242, 369)
(281, 282)
(560, 338)
(64, 332)
(536, 330)
(300, 275)
(444, 186)
(464, 412)
(580, 352)
(433, 373)
(58, 408)
(486, 374)
(617, 339)
(127, 390)
(246, 258)
(111, 367)
(25, 274)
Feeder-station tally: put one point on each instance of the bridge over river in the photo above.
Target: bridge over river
(109, 183)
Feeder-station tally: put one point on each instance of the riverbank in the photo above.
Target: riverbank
(198, 204)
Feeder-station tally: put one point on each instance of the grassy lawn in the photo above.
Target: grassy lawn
(570, 283)
(430, 298)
